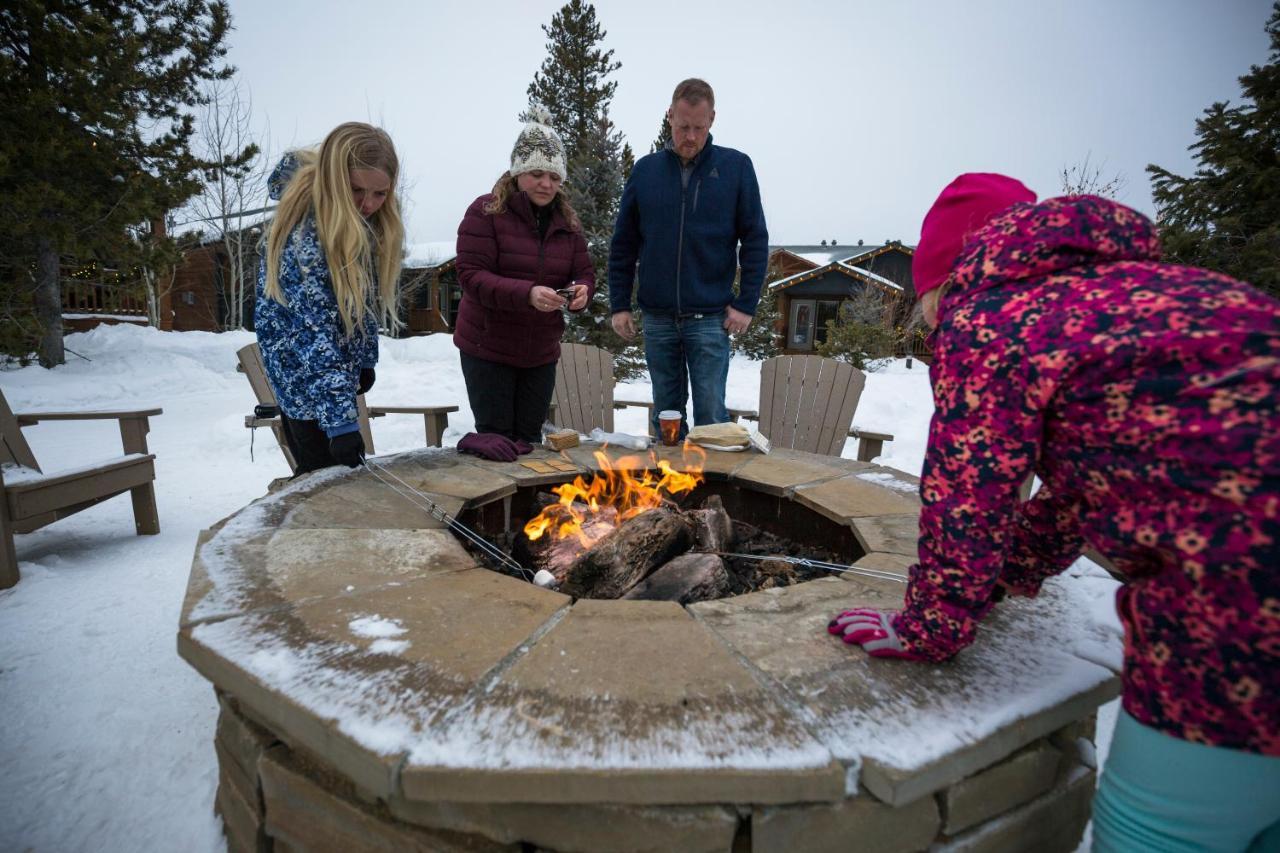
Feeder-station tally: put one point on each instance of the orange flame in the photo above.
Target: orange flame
(587, 511)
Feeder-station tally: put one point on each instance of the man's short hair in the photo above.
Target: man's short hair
(694, 91)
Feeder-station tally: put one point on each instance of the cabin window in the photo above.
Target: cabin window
(800, 328)
(827, 309)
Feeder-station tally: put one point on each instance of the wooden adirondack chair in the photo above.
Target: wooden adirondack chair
(435, 418)
(31, 499)
(807, 403)
(583, 399)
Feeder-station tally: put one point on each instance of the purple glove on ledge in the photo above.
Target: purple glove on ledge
(489, 445)
(523, 447)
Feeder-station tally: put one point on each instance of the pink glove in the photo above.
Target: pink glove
(490, 445)
(873, 630)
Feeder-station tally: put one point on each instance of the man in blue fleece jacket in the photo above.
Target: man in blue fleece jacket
(685, 212)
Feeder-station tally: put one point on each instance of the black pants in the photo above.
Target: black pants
(511, 401)
(308, 444)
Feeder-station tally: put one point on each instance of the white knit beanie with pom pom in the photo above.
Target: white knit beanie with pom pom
(538, 147)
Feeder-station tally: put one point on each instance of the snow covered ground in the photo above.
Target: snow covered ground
(106, 736)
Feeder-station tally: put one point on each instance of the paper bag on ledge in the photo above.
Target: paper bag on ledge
(720, 435)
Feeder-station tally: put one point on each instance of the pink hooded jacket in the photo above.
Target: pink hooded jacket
(1144, 396)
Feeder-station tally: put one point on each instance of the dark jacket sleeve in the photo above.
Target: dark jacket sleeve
(624, 250)
(478, 263)
(753, 256)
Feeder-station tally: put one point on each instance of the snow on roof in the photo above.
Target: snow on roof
(878, 279)
(433, 254)
(858, 272)
(823, 255)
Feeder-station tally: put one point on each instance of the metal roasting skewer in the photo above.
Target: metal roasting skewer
(420, 500)
(818, 564)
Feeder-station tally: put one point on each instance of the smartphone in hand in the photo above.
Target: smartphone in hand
(567, 292)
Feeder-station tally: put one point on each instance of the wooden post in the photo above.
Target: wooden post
(8, 555)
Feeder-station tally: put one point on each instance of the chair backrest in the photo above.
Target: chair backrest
(584, 388)
(250, 357)
(13, 447)
(251, 363)
(807, 402)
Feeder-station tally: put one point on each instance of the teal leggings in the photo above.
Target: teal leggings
(1160, 793)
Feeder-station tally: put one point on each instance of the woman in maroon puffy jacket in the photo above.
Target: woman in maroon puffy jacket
(1144, 397)
(522, 258)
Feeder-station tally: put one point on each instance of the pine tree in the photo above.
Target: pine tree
(95, 129)
(664, 136)
(571, 83)
(760, 340)
(1226, 217)
(572, 86)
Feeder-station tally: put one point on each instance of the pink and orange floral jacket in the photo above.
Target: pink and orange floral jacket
(1145, 397)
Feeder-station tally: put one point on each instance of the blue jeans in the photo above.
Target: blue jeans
(683, 351)
(1159, 792)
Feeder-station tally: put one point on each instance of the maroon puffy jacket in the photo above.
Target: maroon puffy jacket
(500, 259)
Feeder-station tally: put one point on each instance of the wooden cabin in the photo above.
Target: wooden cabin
(812, 283)
(429, 284)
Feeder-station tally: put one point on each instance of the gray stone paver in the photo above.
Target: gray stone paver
(306, 815)
(368, 503)
(780, 471)
(579, 827)
(859, 824)
(893, 534)
(276, 681)
(852, 497)
(460, 624)
(272, 569)
(1025, 776)
(523, 475)
(916, 728)
(898, 564)
(698, 727)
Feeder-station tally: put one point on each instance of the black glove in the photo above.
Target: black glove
(367, 378)
(347, 449)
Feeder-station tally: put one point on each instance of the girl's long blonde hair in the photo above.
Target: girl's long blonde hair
(352, 245)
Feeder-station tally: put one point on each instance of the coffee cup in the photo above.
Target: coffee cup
(669, 427)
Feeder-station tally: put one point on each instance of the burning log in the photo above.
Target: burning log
(625, 556)
(686, 579)
(712, 527)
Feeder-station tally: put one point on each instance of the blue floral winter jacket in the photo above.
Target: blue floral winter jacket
(313, 367)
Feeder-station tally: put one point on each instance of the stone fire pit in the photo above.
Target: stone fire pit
(380, 690)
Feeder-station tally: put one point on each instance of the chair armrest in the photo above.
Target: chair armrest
(622, 404)
(749, 414)
(870, 444)
(30, 418)
(435, 419)
(134, 425)
(378, 411)
(854, 432)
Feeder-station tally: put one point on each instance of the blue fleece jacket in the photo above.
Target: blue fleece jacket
(686, 238)
(312, 365)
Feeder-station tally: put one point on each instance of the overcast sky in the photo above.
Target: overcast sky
(855, 113)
